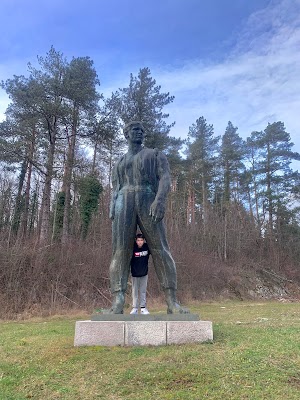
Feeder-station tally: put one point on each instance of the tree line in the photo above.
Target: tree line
(233, 205)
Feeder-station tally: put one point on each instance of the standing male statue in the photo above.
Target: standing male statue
(141, 182)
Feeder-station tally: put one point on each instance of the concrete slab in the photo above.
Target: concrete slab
(145, 333)
(147, 317)
(180, 332)
(93, 333)
(141, 333)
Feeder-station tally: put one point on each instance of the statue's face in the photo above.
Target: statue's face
(136, 134)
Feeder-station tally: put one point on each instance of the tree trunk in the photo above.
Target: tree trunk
(94, 159)
(204, 203)
(190, 210)
(19, 201)
(225, 235)
(24, 223)
(68, 178)
(269, 190)
(45, 208)
(227, 183)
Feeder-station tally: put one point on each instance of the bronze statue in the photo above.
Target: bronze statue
(141, 182)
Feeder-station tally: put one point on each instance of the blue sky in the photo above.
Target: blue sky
(236, 60)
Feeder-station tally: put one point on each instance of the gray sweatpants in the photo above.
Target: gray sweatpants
(139, 290)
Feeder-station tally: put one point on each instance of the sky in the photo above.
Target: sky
(225, 60)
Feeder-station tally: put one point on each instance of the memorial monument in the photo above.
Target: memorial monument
(141, 182)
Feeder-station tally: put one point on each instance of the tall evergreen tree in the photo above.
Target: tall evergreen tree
(202, 155)
(41, 95)
(80, 97)
(18, 147)
(276, 179)
(61, 96)
(231, 155)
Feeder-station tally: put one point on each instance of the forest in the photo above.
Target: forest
(233, 211)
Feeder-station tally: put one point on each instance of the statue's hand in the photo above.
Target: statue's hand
(157, 211)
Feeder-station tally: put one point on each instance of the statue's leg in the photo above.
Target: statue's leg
(162, 259)
(164, 264)
(123, 233)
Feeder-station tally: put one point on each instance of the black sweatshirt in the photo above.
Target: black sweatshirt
(139, 260)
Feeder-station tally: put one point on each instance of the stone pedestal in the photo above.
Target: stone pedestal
(153, 330)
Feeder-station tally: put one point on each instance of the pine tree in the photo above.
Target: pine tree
(18, 142)
(202, 155)
(80, 97)
(231, 155)
(275, 179)
(41, 95)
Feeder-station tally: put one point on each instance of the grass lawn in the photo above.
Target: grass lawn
(255, 355)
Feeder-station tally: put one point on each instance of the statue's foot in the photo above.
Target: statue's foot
(114, 311)
(107, 311)
(177, 309)
(173, 306)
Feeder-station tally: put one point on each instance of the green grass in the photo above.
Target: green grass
(255, 355)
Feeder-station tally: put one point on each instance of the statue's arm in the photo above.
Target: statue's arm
(158, 207)
(115, 189)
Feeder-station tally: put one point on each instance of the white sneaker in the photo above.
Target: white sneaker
(134, 311)
(144, 311)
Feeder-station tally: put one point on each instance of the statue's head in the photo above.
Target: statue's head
(134, 131)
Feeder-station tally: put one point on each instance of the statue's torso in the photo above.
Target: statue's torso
(138, 171)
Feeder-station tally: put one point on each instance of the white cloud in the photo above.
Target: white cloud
(258, 82)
